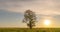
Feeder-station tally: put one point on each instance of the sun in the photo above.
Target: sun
(47, 22)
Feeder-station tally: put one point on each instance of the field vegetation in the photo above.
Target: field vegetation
(29, 30)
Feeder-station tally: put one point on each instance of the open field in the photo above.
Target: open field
(29, 30)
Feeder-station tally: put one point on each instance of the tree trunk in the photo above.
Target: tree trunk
(30, 25)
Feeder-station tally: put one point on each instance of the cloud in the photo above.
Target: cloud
(57, 17)
(45, 7)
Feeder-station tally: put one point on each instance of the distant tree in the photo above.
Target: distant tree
(29, 18)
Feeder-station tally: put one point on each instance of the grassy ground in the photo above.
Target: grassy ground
(29, 30)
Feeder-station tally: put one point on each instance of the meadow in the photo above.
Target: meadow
(29, 30)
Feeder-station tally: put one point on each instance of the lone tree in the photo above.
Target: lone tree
(29, 18)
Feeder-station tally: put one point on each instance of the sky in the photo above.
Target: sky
(12, 12)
